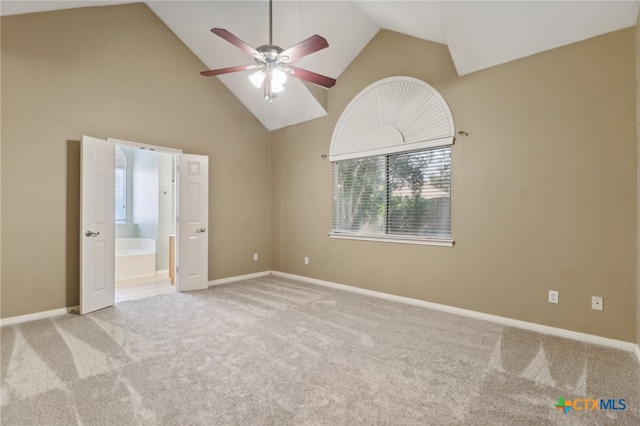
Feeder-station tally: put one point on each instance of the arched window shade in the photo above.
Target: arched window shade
(395, 114)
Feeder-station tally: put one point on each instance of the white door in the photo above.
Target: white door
(193, 223)
(97, 224)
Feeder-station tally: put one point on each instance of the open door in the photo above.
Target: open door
(193, 223)
(97, 224)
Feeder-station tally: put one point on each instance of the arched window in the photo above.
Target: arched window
(121, 186)
(391, 155)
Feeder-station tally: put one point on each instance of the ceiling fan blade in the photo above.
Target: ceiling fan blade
(312, 77)
(236, 42)
(227, 70)
(304, 48)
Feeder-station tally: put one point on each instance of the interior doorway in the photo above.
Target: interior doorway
(145, 222)
(97, 221)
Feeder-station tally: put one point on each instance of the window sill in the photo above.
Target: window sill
(441, 242)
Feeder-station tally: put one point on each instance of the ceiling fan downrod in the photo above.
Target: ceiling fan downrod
(271, 22)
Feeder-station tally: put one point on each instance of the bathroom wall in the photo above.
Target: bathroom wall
(151, 200)
(145, 193)
(166, 206)
(126, 230)
(129, 154)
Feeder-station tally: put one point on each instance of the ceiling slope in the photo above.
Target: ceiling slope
(346, 29)
(479, 34)
(483, 34)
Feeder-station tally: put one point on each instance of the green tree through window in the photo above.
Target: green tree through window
(407, 194)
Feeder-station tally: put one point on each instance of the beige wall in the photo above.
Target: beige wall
(638, 182)
(544, 187)
(114, 72)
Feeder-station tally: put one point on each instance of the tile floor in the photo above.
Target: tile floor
(137, 288)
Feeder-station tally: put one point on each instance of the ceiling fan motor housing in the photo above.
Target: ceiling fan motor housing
(270, 52)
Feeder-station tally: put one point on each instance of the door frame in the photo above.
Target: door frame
(176, 153)
(178, 158)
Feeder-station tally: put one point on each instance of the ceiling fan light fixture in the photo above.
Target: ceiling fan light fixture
(275, 88)
(278, 78)
(257, 78)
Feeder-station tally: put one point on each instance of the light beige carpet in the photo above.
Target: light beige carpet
(272, 351)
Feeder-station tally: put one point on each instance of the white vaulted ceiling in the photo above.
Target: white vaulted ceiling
(479, 34)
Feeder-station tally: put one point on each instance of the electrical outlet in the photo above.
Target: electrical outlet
(553, 296)
(306, 260)
(597, 303)
(255, 257)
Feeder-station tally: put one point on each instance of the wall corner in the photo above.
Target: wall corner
(638, 179)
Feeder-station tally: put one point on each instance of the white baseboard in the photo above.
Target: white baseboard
(238, 278)
(554, 331)
(62, 311)
(38, 315)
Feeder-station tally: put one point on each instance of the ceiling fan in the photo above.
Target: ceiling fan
(273, 63)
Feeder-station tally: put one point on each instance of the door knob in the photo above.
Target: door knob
(91, 234)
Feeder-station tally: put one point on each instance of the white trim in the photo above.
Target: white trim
(145, 146)
(74, 309)
(38, 315)
(238, 278)
(560, 332)
(393, 239)
(416, 146)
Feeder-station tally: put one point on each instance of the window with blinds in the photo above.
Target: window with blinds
(403, 196)
(121, 186)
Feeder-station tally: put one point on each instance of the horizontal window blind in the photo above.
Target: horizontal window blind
(121, 195)
(404, 195)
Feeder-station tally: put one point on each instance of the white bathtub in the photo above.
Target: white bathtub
(135, 257)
